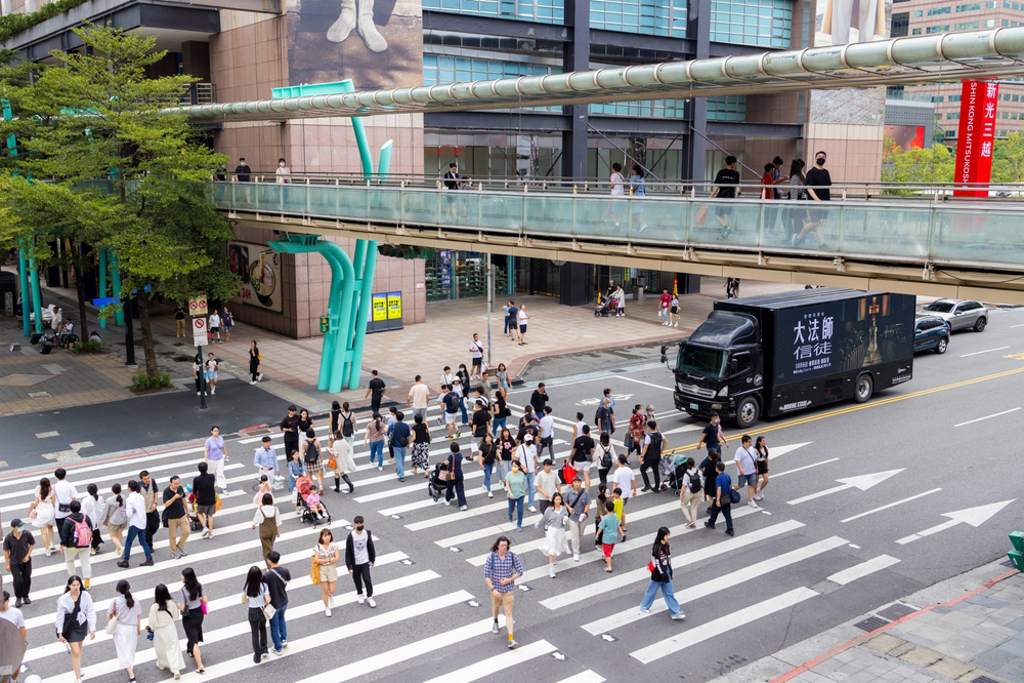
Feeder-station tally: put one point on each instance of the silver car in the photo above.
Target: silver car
(961, 315)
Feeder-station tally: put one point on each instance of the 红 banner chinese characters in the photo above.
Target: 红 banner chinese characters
(975, 138)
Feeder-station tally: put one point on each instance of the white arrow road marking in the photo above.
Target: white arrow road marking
(890, 505)
(496, 664)
(863, 482)
(975, 516)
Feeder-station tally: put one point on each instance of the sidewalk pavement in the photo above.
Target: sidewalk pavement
(291, 367)
(968, 629)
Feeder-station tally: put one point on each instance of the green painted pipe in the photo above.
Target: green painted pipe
(103, 282)
(23, 273)
(362, 312)
(340, 310)
(115, 277)
(360, 132)
(36, 296)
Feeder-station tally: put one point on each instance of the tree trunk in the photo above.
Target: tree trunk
(147, 332)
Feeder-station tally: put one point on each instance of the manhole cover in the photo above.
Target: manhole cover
(896, 611)
(871, 624)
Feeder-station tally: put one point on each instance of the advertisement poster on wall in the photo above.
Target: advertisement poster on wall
(838, 22)
(259, 268)
(376, 43)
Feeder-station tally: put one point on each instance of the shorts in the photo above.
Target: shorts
(206, 509)
(328, 573)
(227, 328)
(674, 310)
(451, 198)
(449, 418)
(214, 329)
(724, 211)
(211, 375)
(607, 548)
(478, 361)
(714, 449)
(762, 466)
(745, 480)
(522, 329)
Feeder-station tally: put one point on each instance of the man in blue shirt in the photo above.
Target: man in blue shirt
(265, 460)
(400, 434)
(722, 503)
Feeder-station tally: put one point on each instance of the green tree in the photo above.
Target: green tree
(1008, 159)
(931, 165)
(136, 174)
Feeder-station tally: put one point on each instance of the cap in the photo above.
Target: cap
(577, 479)
(15, 523)
(528, 437)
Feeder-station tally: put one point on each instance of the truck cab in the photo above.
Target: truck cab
(720, 368)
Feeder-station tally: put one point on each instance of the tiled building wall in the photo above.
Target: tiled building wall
(854, 152)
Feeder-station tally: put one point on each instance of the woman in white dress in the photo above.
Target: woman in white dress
(344, 463)
(42, 513)
(554, 521)
(162, 617)
(116, 517)
(128, 614)
(93, 506)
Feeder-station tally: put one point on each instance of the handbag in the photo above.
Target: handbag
(111, 626)
(734, 496)
(568, 472)
(268, 611)
(314, 572)
(332, 462)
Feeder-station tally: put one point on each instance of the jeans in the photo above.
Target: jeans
(258, 625)
(497, 424)
(488, 469)
(726, 511)
(278, 628)
(133, 533)
(530, 490)
(21, 575)
(666, 590)
(459, 489)
(516, 504)
(400, 460)
(360, 576)
(377, 450)
(462, 407)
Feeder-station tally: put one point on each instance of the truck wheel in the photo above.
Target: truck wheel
(941, 346)
(747, 412)
(865, 387)
(980, 325)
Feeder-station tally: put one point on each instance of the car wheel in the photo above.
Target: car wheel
(980, 325)
(941, 346)
(747, 412)
(864, 389)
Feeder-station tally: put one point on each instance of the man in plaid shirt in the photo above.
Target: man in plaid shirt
(501, 569)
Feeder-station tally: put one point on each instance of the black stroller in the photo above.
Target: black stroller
(437, 483)
(605, 309)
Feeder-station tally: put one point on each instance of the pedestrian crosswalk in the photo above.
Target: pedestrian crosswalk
(433, 619)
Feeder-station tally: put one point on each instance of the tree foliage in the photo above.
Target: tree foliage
(916, 165)
(112, 167)
(1008, 159)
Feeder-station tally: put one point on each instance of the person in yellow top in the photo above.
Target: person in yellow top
(620, 510)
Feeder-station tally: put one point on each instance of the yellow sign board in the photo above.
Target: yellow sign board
(394, 305)
(380, 307)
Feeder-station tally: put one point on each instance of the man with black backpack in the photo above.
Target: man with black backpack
(650, 456)
(76, 541)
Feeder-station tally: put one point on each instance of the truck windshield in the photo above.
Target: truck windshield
(700, 360)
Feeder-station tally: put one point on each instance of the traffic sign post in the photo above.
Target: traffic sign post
(197, 306)
(199, 332)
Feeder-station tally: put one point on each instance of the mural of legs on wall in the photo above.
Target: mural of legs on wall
(358, 15)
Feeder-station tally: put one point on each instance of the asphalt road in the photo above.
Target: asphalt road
(795, 568)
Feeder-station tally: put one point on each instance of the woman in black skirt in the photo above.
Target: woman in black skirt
(192, 603)
(76, 618)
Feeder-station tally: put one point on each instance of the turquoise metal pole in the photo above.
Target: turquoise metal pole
(333, 253)
(36, 296)
(360, 131)
(115, 276)
(23, 273)
(358, 262)
(362, 312)
(330, 344)
(103, 282)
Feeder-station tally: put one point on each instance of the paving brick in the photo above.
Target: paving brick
(884, 643)
(921, 656)
(950, 668)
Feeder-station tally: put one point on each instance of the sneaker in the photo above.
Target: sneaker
(371, 602)
(27, 601)
(213, 391)
(458, 433)
(576, 557)
(380, 469)
(519, 529)
(490, 495)
(361, 599)
(259, 377)
(729, 532)
(752, 504)
(17, 603)
(254, 382)
(464, 508)
(532, 508)
(147, 563)
(758, 496)
(122, 564)
(512, 644)
(709, 525)
(494, 626)
(181, 551)
(327, 611)
(551, 571)
(284, 643)
(199, 393)
(447, 502)
(678, 617)
(210, 535)
(277, 653)
(175, 556)
(644, 611)
(206, 532)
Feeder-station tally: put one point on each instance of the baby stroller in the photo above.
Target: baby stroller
(436, 484)
(671, 475)
(302, 485)
(606, 308)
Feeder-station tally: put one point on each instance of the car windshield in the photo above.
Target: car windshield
(700, 360)
(940, 306)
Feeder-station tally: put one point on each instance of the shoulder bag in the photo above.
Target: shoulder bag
(734, 496)
(314, 571)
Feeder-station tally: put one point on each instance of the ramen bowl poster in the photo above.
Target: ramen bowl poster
(259, 269)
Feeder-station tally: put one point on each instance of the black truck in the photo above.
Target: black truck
(777, 353)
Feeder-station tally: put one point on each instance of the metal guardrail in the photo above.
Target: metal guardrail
(972, 234)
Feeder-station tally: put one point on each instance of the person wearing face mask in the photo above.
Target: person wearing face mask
(243, 175)
(359, 558)
(283, 173)
(818, 183)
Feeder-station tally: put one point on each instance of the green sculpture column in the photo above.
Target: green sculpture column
(115, 276)
(103, 282)
(37, 299)
(23, 274)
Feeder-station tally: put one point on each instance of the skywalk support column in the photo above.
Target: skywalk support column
(576, 57)
(699, 30)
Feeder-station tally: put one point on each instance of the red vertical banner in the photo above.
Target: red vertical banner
(978, 103)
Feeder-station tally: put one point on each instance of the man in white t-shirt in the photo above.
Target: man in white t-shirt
(13, 615)
(547, 433)
(214, 323)
(526, 453)
(522, 317)
(745, 457)
(625, 479)
(476, 349)
(419, 398)
(64, 492)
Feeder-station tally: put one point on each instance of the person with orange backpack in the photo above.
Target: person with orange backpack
(76, 541)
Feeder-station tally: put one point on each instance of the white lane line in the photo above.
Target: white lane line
(241, 664)
(722, 625)
(626, 578)
(890, 505)
(702, 590)
(979, 419)
(863, 569)
(801, 469)
(1013, 326)
(496, 664)
(978, 353)
(650, 384)
(369, 665)
(684, 428)
(587, 676)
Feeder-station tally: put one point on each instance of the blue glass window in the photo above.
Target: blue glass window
(752, 22)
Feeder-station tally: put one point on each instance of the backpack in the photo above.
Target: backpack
(83, 534)
(346, 426)
(695, 486)
(606, 458)
(312, 453)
